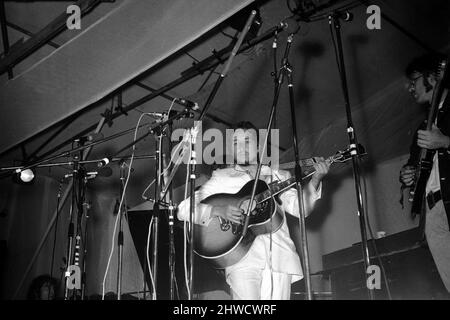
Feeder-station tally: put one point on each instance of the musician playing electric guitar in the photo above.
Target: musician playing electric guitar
(271, 264)
(422, 73)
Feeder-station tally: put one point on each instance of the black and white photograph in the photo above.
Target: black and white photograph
(220, 158)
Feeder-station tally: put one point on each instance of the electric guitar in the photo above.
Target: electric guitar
(222, 243)
(425, 162)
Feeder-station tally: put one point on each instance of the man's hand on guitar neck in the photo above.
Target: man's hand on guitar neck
(321, 168)
(432, 139)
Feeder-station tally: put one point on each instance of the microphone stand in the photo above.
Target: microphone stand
(333, 19)
(167, 201)
(171, 208)
(287, 68)
(56, 228)
(82, 180)
(85, 244)
(171, 250)
(71, 226)
(155, 218)
(44, 237)
(71, 256)
(120, 236)
(192, 177)
(193, 136)
(76, 239)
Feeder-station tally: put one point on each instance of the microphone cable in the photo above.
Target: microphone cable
(120, 208)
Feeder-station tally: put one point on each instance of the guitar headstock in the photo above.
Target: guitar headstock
(345, 155)
(442, 70)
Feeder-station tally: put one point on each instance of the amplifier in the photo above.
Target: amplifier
(410, 270)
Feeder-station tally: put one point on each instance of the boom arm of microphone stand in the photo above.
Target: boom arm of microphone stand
(216, 87)
(185, 112)
(226, 68)
(69, 163)
(69, 152)
(86, 146)
(228, 63)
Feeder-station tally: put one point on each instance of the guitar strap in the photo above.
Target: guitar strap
(445, 105)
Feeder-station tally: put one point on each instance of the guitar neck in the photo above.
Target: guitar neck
(304, 163)
(278, 187)
(433, 110)
(437, 101)
(439, 94)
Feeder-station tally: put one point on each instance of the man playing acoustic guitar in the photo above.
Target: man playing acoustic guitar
(271, 264)
(422, 73)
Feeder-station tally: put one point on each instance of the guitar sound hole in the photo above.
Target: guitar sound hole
(225, 225)
(244, 206)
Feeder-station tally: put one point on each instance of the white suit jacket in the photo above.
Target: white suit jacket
(284, 257)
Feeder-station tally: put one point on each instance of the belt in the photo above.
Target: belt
(433, 198)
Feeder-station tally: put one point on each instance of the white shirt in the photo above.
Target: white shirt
(231, 180)
(433, 183)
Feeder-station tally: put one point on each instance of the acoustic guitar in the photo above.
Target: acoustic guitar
(221, 241)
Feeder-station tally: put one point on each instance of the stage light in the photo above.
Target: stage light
(27, 175)
(24, 177)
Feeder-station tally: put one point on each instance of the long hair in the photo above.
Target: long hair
(34, 292)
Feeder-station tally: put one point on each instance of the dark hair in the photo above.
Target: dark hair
(426, 64)
(245, 125)
(34, 293)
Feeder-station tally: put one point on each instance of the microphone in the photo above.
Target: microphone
(188, 104)
(102, 172)
(343, 15)
(104, 162)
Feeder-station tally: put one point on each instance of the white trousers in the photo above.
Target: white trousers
(438, 238)
(248, 282)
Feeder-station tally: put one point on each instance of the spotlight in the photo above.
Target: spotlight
(27, 175)
(24, 177)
